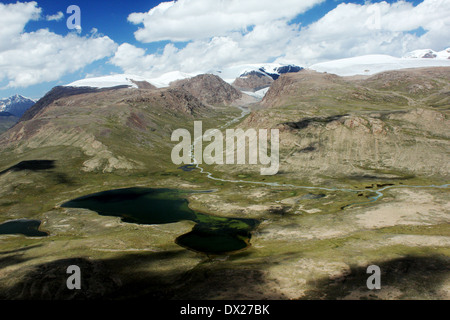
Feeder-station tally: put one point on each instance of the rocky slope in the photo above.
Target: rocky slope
(393, 124)
(252, 81)
(114, 128)
(209, 89)
(7, 120)
(355, 133)
(58, 93)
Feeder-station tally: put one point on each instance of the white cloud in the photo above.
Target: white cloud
(352, 30)
(259, 31)
(264, 42)
(55, 17)
(13, 19)
(186, 20)
(28, 58)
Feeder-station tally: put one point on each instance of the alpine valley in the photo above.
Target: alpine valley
(86, 179)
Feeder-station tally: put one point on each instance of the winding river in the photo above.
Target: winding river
(210, 234)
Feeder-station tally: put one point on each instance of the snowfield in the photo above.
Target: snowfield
(257, 94)
(107, 81)
(362, 65)
(428, 53)
(371, 64)
(126, 80)
(229, 74)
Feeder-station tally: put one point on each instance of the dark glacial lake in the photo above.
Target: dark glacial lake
(26, 227)
(211, 234)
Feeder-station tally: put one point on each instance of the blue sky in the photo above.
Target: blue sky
(116, 49)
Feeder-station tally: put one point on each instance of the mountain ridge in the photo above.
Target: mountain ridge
(16, 104)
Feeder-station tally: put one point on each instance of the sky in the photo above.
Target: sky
(148, 38)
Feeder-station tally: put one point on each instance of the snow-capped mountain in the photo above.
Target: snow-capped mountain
(129, 80)
(371, 64)
(428, 54)
(16, 105)
(247, 73)
(254, 79)
(272, 70)
(108, 81)
(228, 74)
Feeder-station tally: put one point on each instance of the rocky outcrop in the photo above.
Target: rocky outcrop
(252, 81)
(209, 89)
(57, 93)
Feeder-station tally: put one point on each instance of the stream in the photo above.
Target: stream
(245, 111)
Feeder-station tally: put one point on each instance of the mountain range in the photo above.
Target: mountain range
(428, 54)
(372, 64)
(363, 181)
(270, 71)
(118, 128)
(250, 78)
(16, 105)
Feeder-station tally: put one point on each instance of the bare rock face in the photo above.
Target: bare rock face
(252, 81)
(209, 89)
(143, 84)
(281, 87)
(306, 84)
(170, 99)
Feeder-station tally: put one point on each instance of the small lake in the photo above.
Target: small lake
(29, 228)
(211, 234)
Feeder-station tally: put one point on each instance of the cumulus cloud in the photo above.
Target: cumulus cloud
(382, 28)
(14, 17)
(55, 17)
(263, 43)
(186, 20)
(220, 33)
(28, 58)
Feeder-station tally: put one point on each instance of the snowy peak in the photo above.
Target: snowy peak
(272, 70)
(108, 81)
(276, 72)
(17, 98)
(16, 105)
(257, 81)
(209, 89)
(372, 64)
(428, 54)
(131, 81)
(269, 70)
